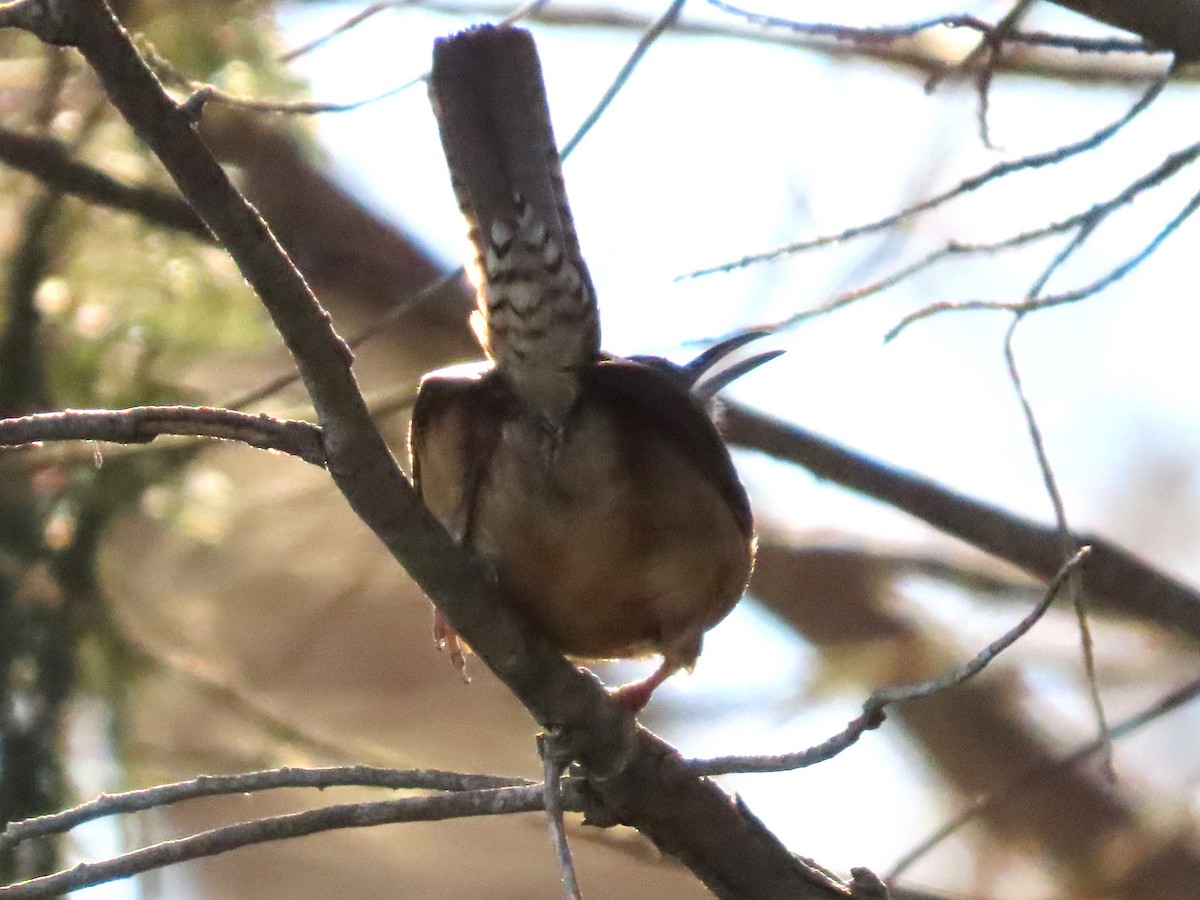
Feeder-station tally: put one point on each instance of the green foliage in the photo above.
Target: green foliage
(128, 307)
(133, 306)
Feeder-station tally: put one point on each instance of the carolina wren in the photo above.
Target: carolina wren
(597, 487)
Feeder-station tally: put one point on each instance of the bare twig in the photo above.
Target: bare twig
(984, 46)
(232, 693)
(141, 424)
(202, 94)
(205, 93)
(657, 27)
(925, 53)
(991, 46)
(1118, 272)
(950, 249)
(398, 311)
(374, 9)
(1028, 780)
(1000, 170)
(357, 19)
(1074, 583)
(887, 33)
(875, 705)
(553, 764)
(1087, 222)
(490, 802)
(248, 782)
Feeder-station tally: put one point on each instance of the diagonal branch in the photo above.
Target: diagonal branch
(1181, 696)
(635, 778)
(1114, 578)
(875, 706)
(994, 173)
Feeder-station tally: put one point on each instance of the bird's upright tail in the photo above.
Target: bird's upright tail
(540, 322)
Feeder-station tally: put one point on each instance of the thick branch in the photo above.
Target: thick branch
(142, 424)
(1170, 24)
(636, 778)
(1112, 576)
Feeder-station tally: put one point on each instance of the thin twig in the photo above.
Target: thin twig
(249, 782)
(1117, 272)
(203, 93)
(1011, 18)
(356, 19)
(1074, 584)
(1026, 781)
(375, 8)
(203, 676)
(553, 764)
(141, 424)
(924, 53)
(886, 33)
(657, 27)
(1000, 170)
(490, 802)
(991, 45)
(873, 708)
(397, 312)
(1087, 222)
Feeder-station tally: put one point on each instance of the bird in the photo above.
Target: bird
(597, 487)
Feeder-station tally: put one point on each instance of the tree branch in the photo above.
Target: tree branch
(1113, 577)
(1167, 24)
(249, 782)
(142, 424)
(634, 777)
(1028, 780)
(926, 54)
(1000, 170)
(488, 802)
(875, 706)
(889, 33)
(50, 162)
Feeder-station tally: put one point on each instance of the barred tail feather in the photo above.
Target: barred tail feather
(539, 310)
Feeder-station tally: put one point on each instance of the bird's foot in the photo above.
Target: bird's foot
(635, 695)
(446, 639)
